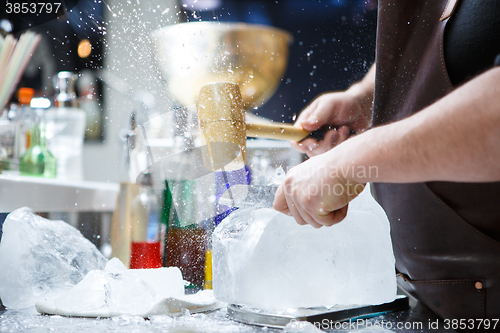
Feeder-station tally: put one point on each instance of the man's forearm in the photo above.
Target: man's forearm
(455, 139)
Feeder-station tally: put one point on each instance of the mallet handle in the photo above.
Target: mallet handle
(276, 131)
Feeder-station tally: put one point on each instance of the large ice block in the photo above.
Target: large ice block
(39, 256)
(264, 259)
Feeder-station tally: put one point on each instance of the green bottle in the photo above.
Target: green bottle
(185, 240)
(38, 161)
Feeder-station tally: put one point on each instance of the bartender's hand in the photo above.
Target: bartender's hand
(315, 192)
(347, 110)
(428, 146)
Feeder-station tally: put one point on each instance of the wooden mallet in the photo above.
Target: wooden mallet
(224, 130)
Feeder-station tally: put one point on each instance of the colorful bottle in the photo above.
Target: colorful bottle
(145, 249)
(25, 119)
(186, 238)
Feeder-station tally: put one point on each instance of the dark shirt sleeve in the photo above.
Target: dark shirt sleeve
(472, 39)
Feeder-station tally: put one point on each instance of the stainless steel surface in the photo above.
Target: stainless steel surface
(51, 195)
(279, 319)
(193, 54)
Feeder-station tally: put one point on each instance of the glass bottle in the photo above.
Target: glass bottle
(186, 238)
(65, 128)
(7, 140)
(25, 119)
(145, 251)
(38, 160)
(187, 206)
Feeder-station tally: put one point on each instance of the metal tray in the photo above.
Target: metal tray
(278, 319)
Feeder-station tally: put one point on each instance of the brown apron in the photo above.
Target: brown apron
(445, 235)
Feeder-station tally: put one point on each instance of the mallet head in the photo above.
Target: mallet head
(222, 126)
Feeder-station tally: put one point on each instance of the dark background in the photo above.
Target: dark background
(334, 42)
(61, 32)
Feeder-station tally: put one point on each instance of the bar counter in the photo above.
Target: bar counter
(416, 319)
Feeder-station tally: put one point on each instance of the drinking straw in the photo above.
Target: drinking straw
(14, 58)
(7, 48)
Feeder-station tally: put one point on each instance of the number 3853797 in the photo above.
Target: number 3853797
(32, 7)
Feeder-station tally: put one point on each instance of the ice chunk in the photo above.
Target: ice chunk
(166, 282)
(279, 176)
(256, 196)
(39, 256)
(264, 259)
(117, 291)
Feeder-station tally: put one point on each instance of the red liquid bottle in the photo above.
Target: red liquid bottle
(145, 255)
(145, 250)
